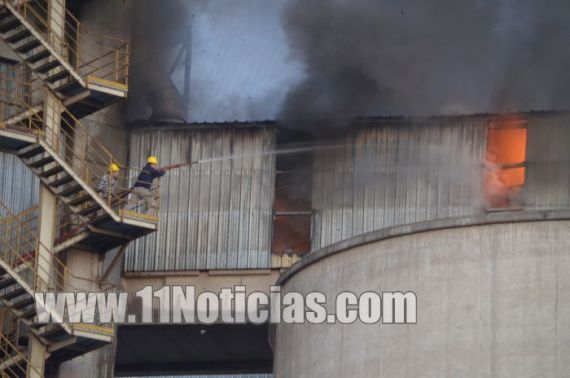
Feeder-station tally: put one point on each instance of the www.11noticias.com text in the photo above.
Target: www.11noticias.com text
(183, 305)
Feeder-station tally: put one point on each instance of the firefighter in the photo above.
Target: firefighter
(141, 190)
(107, 185)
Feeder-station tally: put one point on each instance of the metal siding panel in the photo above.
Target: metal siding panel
(548, 162)
(214, 215)
(19, 187)
(407, 173)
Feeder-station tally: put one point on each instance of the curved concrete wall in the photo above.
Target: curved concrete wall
(493, 301)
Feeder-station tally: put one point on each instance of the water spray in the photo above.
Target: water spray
(267, 153)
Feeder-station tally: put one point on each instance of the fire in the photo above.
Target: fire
(504, 162)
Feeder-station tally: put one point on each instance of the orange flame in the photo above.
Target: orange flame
(504, 161)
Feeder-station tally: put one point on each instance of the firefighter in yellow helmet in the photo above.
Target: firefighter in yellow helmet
(107, 185)
(142, 189)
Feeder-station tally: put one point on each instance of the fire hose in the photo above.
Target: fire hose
(180, 165)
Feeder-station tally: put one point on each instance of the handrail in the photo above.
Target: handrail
(20, 248)
(89, 53)
(66, 136)
(16, 239)
(9, 349)
(17, 93)
(11, 329)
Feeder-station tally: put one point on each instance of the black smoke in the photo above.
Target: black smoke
(417, 57)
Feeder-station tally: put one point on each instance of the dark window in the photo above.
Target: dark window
(292, 206)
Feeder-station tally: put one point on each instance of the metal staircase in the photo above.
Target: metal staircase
(67, 72)
(69, 161)
(14, 341)
(86, 69)
(27, 266)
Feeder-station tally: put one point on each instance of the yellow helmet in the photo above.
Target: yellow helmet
(152, 160)
(114, 168)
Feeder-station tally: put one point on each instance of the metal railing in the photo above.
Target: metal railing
(23, 367)
(89, 53)
(66, 137)
(18, 93)
(28, 258)
(22, 252)
(12, 330)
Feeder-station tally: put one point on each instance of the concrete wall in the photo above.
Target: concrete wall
(493, 301)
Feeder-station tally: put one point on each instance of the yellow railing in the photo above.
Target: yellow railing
(67, 223)
(28, 258)
(9, 350)
(11, 330)
(64, 134)
(91, 54)
(28, 218)
(18, 93)
(23, 253)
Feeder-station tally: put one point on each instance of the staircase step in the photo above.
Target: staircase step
(70, 191)
(61, 181)
(14, 293)
(42, 162)
(46, 67)
(38, 56)
(35, 325)
(29, 46)
(23, 303)
(53, 171)
(58, 76)
(29, 313)
(80, 200)
(32, 152)
(23, 341)
(18, 36)
(4, 15)
(7, 282)
(52, 331)
(89, 210)
(11, 24)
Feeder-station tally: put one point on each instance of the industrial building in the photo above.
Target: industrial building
(469, 212)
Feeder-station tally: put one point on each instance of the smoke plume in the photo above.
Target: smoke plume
(159, 30)
(417, 57)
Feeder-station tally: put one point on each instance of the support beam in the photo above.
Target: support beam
(47, 229)
(56, 12)
(38, 356)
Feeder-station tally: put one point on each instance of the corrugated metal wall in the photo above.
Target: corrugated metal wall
(398, 173)
(548, 162)
(215, 215)
(19, 188)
